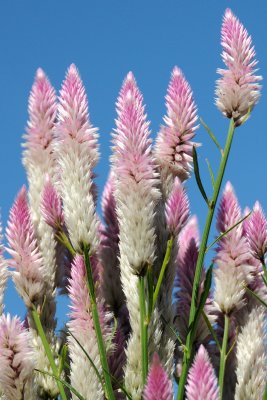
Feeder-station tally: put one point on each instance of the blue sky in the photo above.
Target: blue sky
(106, 39)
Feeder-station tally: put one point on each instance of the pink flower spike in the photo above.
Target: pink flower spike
(177, 208)
(238, 89)
(132, 145)
(202, 383)
(51, 205)
(256, 231)
(158, 384)
(42, 113)
(73, 114)
(29, 272)
(16, 357)
(174, 146)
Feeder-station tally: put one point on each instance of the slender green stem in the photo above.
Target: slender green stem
(143, 328)
(193, 309)
(48, 351)
(223, 356)
(264, 270)
(99, 336)
(163, 269)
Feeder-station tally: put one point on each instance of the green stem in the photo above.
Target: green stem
(143, 328)
(48, 351)
(163, 269)
(223, 356)
(99, 336)
(193, 309)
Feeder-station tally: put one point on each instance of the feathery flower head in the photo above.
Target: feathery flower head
(42, 113)
(16, 357)
(26, 258)
(132, 157)
(188, 243)
(256, 231)
(51, 205)
(137, 182)
(174, 146)
(251, 357)
(233, 255)
(108, 205)
(202, 382)
(177, 208)
(238, 89)
(158, 384)
(73, 115)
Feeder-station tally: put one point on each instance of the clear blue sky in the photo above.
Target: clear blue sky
(106, 39)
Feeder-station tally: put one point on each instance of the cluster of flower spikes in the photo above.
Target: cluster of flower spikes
(144, 203)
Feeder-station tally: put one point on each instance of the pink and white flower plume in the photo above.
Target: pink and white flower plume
(3, 272)
(158, 386)
(77, 154)
(177, 208)
(174, 144)
(16, 358)
(29, 273)
(256, 232)
(233, 256)
(238, 89)
(202, 382)
(81, 326)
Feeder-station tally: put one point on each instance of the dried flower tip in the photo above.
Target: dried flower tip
(238, 90)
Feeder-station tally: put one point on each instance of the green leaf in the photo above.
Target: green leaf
(64, 383)
(197, 175)
(203, 298)
(62, 358)
(210, 327)
(212, 136)
(211, 174)
(256, 296)
(228, 230)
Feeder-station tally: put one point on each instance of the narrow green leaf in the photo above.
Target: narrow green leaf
(228, 230)
(177, 336)
(62, 359)
(197, 175)
(264, 280)
(234, 343)
(256, 296)
(162, 270)
(211, 174)
(212, 331)
(244, 119)
(150, 291)
(212, 136)
(203, 298)
(64, 383)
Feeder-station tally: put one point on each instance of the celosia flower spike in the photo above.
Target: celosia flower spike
(158, 384)
(177, 208)
(73, 114)
(51, 206)
(26, 258)
(174, 146)
(136, 177)
(256, 231)
(42, 112)
(238, 89)
(81, 326)
(233, 255)
(3, 272)
(16, 358)
(202, 383)
(251, 357)
(77, 154)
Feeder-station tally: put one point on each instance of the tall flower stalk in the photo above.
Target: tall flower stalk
(238, 55)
